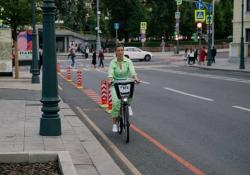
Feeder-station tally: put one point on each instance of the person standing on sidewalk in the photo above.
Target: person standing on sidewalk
(214, 52)
(101, 58)
(203, 54)
(120, 67)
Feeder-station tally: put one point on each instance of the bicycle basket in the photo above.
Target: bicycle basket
(124, 88)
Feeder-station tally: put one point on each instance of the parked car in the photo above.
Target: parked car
(136, 53)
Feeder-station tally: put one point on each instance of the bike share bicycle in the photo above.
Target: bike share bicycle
(124, 90)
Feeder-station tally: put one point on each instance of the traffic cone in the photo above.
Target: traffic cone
(69, 74)
(104, 101)
(79, 79)
(58, 68)
(109, 99)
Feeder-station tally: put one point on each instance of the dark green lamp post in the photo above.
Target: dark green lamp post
(242, 64)
(50, 123)
(34, 64)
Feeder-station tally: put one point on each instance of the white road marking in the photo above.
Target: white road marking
(191, 95)
(242, 108)
(145, 82)
(59, 87)
(123, 158)
(202, 75)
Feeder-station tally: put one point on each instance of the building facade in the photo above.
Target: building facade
(237, 18)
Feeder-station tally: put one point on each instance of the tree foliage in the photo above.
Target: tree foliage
(80, 15)
(16, 14)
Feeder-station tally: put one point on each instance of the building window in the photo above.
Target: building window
(247, 35)
(248, 5)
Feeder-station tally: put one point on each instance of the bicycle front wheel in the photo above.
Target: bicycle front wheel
(126, 124)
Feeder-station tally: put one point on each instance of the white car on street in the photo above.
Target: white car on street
(134, 53)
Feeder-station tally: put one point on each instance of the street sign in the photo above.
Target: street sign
(177, 15)
(143, 26)
(116, 26)
(209, 19)
(178, 2)
(200, 5)
(200, 15)
(210, 8)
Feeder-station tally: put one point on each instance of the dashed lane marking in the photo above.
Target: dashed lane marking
(187, 94)
(242, 108)
(145, 82)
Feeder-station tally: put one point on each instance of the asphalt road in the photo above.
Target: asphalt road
(186, 120)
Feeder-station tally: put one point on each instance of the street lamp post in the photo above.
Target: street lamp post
(242, 64)
(50, 122)
(98, 31)
(34, 64)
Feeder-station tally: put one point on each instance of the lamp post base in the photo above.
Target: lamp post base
(50, 126)
(35, 79)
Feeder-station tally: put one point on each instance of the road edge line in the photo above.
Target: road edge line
(122, 157)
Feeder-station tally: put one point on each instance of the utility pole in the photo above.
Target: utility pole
(242, 64)
(177, 30)
(213, 25)
(34, 65)
(209, 54)
(98, 31)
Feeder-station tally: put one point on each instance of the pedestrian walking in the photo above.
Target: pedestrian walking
(101, 58)
(213, 52)
(185, 56)
(94, 58)
(203, 55)
(72, 54)
(87, 52)
(40, 58)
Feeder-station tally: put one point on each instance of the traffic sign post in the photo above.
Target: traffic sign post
(143, 28)
(116, 27)
(200, 5)
(209, 19)
(200, 15)
(178, 2)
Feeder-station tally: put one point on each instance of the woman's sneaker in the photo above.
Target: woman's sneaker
(115, 128)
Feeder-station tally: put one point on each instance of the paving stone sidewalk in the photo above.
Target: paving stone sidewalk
(19, 132)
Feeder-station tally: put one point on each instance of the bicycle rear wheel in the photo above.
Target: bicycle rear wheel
(125, 124)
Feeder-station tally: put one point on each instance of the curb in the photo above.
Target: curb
(64, 160)
(220, 69)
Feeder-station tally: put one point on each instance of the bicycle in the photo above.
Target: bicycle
(124, 90)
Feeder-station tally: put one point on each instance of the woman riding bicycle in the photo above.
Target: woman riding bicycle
(120, 68)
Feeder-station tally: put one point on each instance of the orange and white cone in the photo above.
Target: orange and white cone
(69, 74)
(109, 99)
(79, 79)
(104, 100)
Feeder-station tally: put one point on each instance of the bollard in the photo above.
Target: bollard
(109, 99)
(104, 101)
(79, 79)
(69, 74)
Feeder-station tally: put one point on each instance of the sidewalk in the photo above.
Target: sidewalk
(20, 113)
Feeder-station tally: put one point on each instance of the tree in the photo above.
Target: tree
(16, 14)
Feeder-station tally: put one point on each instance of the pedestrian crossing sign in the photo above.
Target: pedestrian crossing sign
(200, 15)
